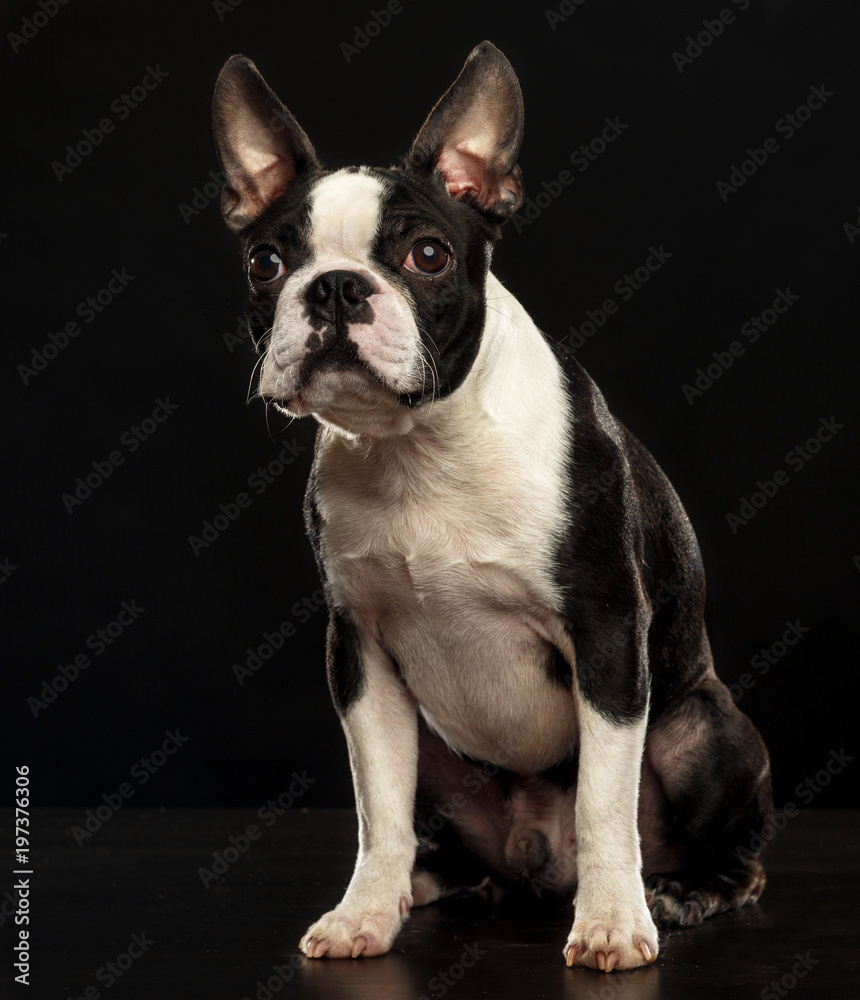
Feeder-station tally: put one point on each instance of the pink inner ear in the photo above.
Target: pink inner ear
(275, 178)
(462, 171)
(268, 177)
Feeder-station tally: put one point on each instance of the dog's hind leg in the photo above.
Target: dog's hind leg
(715, 774)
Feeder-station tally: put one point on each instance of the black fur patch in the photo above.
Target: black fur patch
(449, 307)
(343, 656)
(285, 225)
(628, 534)
(596, 562)
(344, 668)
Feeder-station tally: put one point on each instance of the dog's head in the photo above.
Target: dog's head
(373, 278)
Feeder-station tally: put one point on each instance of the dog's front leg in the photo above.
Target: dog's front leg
(380, 720)
(612, 927)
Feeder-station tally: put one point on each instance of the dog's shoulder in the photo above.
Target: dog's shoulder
(625, 511)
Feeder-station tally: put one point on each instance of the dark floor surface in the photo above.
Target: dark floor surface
(139, 875)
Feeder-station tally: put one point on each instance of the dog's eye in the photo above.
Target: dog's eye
(427, 257)
(266, 264)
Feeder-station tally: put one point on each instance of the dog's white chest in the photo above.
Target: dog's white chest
(441, 553)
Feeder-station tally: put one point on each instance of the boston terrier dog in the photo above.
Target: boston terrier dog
(516, 647)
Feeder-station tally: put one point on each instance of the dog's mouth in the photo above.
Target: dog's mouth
(338, 382)
(338, 387)
(350, 398)
(334, 367)
(333, 383)
(325, 367)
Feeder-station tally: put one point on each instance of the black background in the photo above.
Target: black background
(163, 336)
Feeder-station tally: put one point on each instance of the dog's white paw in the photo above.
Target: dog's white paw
(615, 939)
(348, 932)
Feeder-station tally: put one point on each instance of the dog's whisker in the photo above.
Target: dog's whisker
(257, 391)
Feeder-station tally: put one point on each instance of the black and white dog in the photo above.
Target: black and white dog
(516, 647)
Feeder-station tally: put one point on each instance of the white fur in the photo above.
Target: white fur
(382, 736)
(344, 217)
(441, 539)
(611, 912)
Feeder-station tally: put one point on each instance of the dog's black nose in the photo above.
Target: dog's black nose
(334, 288)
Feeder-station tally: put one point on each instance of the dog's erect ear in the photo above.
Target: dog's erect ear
(261, 147)
(473, 135)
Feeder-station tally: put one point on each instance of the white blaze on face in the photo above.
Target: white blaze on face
(344, 219)
(345, 212)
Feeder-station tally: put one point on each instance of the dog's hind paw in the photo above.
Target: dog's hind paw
(685, 899)
(673, 905)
